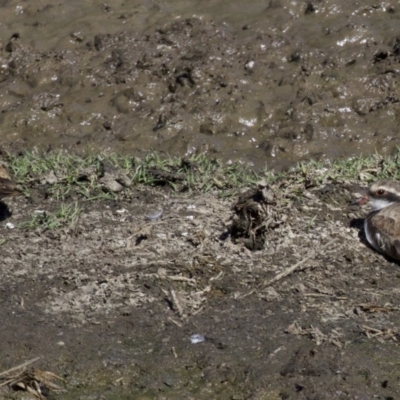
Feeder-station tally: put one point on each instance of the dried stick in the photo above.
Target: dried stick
(25, 364)
(177, 303)
(293, 268)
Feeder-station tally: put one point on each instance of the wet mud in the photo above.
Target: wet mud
(270, 85)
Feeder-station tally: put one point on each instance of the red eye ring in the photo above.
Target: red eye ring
(380, 192)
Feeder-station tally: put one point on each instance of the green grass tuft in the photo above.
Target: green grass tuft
(65, 216)
(197, 173)
(191, 174)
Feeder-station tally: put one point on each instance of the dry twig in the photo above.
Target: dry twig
(293, 268)
(177, 303)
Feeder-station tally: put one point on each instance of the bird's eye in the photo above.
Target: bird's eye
(380, 192)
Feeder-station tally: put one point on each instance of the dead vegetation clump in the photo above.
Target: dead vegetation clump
(314, 333)
(34, 381)
(257, 211)
(381, 334)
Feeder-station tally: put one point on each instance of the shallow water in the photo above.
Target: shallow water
(264, 82)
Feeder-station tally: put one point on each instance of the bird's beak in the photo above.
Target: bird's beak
(361, 201)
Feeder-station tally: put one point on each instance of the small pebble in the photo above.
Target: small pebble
(197, 338)
(154, 216)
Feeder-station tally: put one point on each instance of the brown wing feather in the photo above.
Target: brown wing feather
(384, 227)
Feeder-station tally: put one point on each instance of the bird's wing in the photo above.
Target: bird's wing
(384, 227)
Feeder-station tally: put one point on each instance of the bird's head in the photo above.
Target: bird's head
(381, 194)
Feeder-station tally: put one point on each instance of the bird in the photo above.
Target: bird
(7, 185)
(382, 224)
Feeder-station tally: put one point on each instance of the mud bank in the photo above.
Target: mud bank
(269, 85)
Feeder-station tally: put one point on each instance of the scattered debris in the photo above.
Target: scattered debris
(293, 268)
(37, 382)
(374, 308)
(381, 334)
(334, 337)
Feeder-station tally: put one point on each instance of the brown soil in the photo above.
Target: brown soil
(111, 303)
(285, 82)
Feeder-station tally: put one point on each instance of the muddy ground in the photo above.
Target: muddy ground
(272, 83)
(110, 303)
